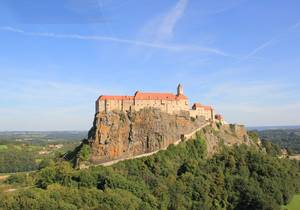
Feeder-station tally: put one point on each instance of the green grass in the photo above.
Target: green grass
(3, 147)
(34, 148)
(294, 204)
(38, 160)
(17, 147)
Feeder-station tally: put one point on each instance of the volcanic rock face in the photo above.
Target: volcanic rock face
(117, 135)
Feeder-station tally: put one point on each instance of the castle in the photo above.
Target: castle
(167, 102)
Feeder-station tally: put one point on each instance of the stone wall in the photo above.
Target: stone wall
(208, 114)
(169, 106)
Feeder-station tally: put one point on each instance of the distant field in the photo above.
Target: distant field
(49, 136)
(24, 151)
(295, 157)
(3, 177)
(3, 147)
(294, 204)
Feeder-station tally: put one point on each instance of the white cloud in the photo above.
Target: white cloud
(259, 48)
(169, 47)
(8, 28)
(47, 105)
(169, 21)
(224, 7)
(251, 90)
(161, 27)
(297, 25)
(160, 30)
(32, 104)
(254, 115)
(271, 41)
(43, 90)
(256, 103)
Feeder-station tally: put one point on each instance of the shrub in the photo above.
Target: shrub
(85, 152)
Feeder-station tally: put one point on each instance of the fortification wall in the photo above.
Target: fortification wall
(168, 106)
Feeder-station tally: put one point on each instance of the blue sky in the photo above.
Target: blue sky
(58, 56)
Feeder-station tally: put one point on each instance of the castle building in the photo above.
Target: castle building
(219, 118)
(200, 110)
(167, 102)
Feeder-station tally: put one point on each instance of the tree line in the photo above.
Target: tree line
(182, 177)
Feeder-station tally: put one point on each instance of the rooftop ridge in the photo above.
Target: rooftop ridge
(144, 96)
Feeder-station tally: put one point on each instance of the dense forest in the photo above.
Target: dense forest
(286, 138)
(181, 177)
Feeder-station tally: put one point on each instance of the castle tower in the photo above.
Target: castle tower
(179, 90)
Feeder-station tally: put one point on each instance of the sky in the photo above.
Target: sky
(57, 56)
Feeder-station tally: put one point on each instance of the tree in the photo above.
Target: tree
(85, 152)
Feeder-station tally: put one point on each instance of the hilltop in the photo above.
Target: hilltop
(127, 127)
(121, 135)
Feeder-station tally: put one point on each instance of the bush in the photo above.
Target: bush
(19, 179)
(253, 136)
(271, 148)
(46, 163)
(85, 152)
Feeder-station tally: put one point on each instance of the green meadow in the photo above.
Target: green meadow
(294, 204)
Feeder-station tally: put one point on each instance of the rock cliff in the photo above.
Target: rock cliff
(118, 135)
(228, 134)
(124, 135)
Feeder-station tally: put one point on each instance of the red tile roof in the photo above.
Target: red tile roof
(219, 117)
(157, 96)
(115, 97)
(207, 108)
(198, 105)
(181, 97)
(145, 96)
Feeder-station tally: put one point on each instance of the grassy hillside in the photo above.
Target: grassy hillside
(178, 178)
(294, 204)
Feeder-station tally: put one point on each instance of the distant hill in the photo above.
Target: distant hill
(42, 135)
(288, 137)
(260, 128)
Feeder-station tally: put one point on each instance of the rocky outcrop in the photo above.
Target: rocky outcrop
(228, 135)
(120, 135)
